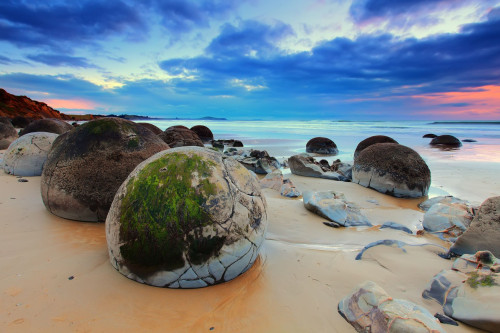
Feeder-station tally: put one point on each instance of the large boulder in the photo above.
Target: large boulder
(47, 125)
(370, 309)
(392, 169)
(483, 232)
(7, 134)
(153, 128)
(446, 141)
(86, 166)
(27, 155)
(305, 165)
(188, 217)
(321, 145)
(180, 136)
(204, 133)
(371, 141)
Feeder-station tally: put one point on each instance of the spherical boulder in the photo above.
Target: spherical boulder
(392, 169)
(204, 133)
(446, 140)
(7, 134)
(47, 125)
(180, 136)
(87, 165)
(371, 141)
(153, 128)
(321, 145)
(27, 155)
(187, 217)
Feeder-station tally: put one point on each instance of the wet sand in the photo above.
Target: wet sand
(304, 270)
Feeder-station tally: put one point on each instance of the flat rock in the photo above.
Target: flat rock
(289, 190)
(443, 216)
(425, 205)
(305, 165)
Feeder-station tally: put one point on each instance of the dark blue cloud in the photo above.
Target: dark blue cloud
(61, 60)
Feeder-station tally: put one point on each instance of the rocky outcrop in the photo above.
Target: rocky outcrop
(87, 165)
(446, 141)
(188, 217)
(47, 125)
(305, 165)
(393, 169)
(370, 309)
(204, 133)
(180, 136)
(321, 145)
(12, 106)
(371, 141)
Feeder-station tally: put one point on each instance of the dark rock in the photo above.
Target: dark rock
(446, 140)
(333, 224)
(258, 161)
(227, 143)
(392, 169)
(469, 140)
(396, 226)
(203, 132)
(430, 136)
(445, 320)
(75, 124)
(151, 127)
(20, 122)
(5, 120)
(86, 166)
(371, 141)
(22, 180)
(321, 145)
(7, 134)
(47, 125)
(180, 136)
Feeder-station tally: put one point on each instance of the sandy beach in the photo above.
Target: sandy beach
(56, 275)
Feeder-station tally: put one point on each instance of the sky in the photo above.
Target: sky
(256, 59)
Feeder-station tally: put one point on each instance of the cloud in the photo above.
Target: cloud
(61, 60)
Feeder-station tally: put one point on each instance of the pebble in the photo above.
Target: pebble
(22, 180)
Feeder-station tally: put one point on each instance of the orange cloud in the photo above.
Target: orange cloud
(75, 104)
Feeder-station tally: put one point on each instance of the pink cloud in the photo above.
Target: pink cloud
(74, 104)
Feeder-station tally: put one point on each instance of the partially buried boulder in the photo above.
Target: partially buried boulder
(47, 125)
(392, 169)
(180, 136)
(484, 231)
(87, 165)
(429, 136)
(151, 127)
(446, 141)
(27, 155)
(188, 217)
(371, 141)
(7, 134)
(204, 133)
(321, 145)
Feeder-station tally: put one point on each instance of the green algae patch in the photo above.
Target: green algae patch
(476, 280)
(160, 210)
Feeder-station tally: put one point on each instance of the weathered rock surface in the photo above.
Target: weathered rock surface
(442, 216)
(227, 143)
(446, 140)
(87, 165)
(371, 141)
(425, 205)
(153, 128)
(321, 145)
(186, 218)
(180, 136)
(334, 207)
(289, 190)
(27, 155)
(20, 122)
(257, 161)
(305, 165)
(370, 309)
(47, 125)
(272, 180)
(7, 134)
(483, 232)
(392, 169)
(203, 132)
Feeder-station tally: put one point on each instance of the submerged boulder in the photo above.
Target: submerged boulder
(393, 169)
(56, 126)
(86, 166)
(429, 136)
(7, 134)
(204, 133)
(446, 140)
(321, 145)
(371, 141)
(180, 136)
(187, 217)
(26, 156)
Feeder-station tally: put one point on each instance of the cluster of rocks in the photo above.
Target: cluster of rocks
(305, 165)
(276, 181)
(257, 161)
(221, 145)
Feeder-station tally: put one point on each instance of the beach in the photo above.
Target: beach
(56, 275)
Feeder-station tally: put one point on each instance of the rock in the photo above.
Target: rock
(445, 319)
(20, 122)
(483, 232)
(204, 133)
(425, 205)
(272, 180)
(483, 260)
(305, 165)
(258, 161)
(321, 145)
(289, 190)
(5, 120)
(26, 156)
(56, 126)
(227, 143)
(396, 226)
(371, 141)
(393, 169)
(446, 140)
(441, 284)
(87, 165)
(153, 128)
(187, 217)
(180, 136)
(443, 216)
(430, 136)
(7, 134)
(469, 140)
(370, 309)
(218, 144)
(334, 207)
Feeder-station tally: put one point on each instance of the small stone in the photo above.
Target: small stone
(71, 277)
(22, 180)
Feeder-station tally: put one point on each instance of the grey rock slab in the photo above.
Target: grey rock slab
(442, 216)
(425, 205)
(289, 190)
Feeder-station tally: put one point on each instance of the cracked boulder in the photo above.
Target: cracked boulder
(180, 136)
(393, 169)
(371, 141)
(87, 165)
(27, 155)
(187, 217)
(370, 309)
(56, 126)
